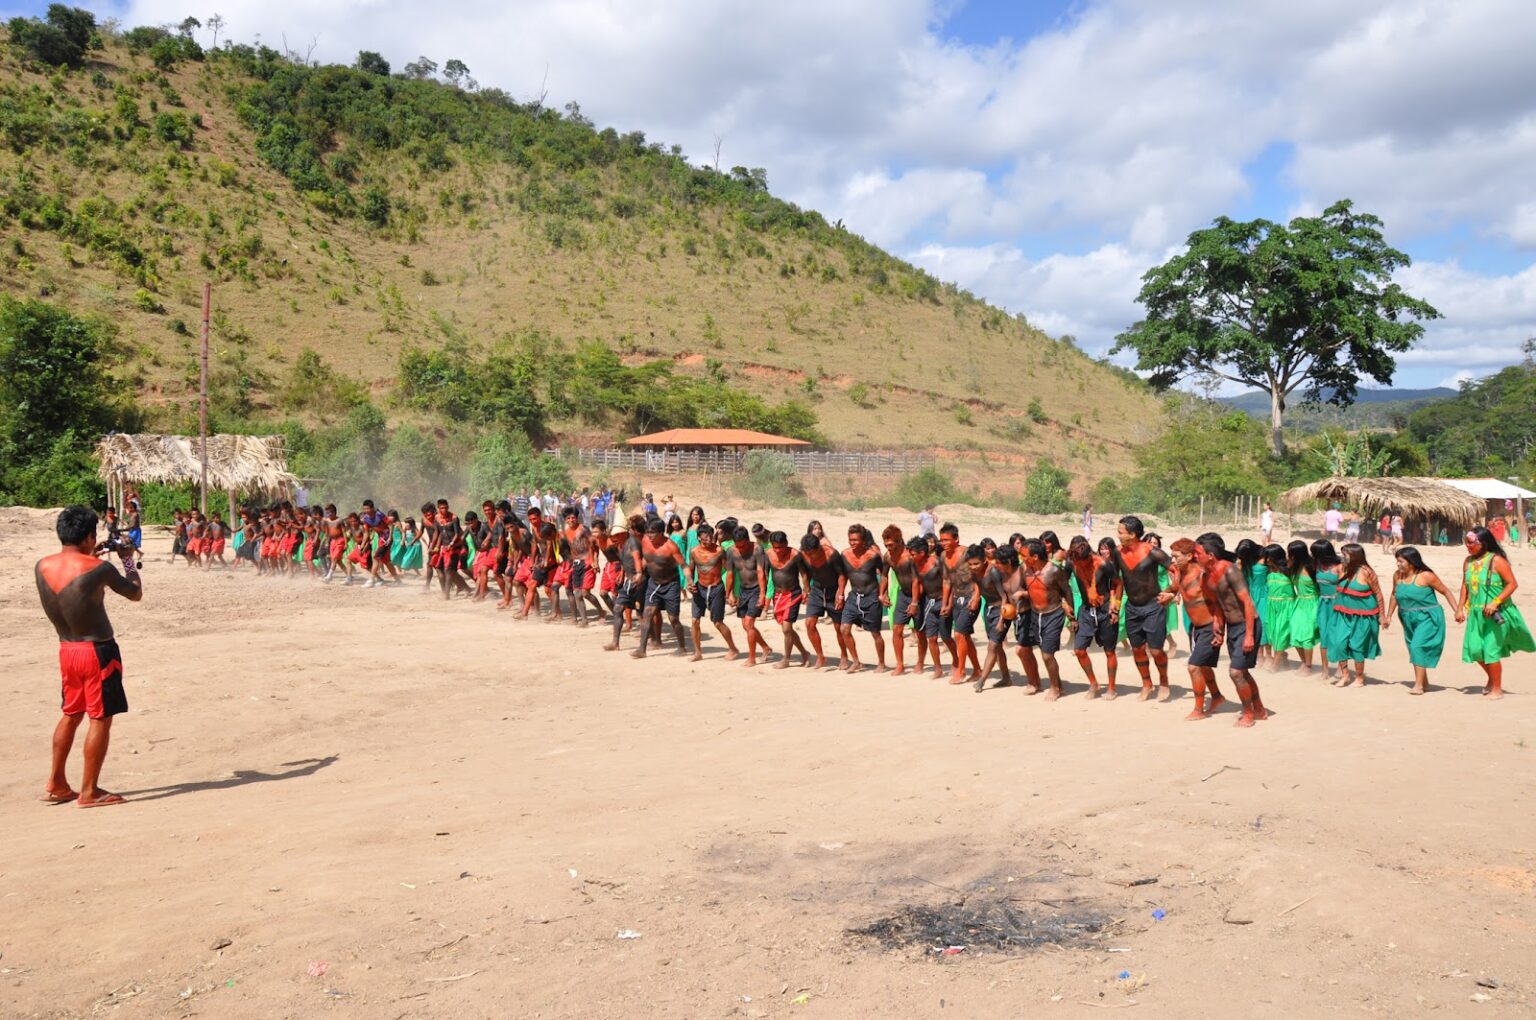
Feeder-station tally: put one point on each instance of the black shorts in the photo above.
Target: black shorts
(627, 595)
(863, 611)
(709, 600)
(962, 618)
(906, 611)
(578, 574)
(539, 575)
(1236, 657)
(929, 620)
(666, 594)
(1146, 625)
(1203, 651)
(819, 602)
(1094, 626)
(1041, 630)
(997, 627)
(750, 604)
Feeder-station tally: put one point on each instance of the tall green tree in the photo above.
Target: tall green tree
(1308, 305)
(54, 377)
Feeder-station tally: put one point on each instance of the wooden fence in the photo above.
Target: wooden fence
(672, 462)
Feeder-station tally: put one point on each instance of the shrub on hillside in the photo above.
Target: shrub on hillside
(769, 477)
(925, 487)
(506, 461)
(314, 385)
(1045, 491)
(60, 39)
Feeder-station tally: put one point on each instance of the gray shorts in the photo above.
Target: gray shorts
(1146, 625)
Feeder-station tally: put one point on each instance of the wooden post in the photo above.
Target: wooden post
(202, 411)
(1202, 519)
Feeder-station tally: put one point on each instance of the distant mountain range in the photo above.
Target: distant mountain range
(1371, 407)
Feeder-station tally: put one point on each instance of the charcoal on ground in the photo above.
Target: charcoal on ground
(980, 926)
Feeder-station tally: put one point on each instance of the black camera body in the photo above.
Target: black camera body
(117, 542)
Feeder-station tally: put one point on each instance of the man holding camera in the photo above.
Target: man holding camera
(72, 584)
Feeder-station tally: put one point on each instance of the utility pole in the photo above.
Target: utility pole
(202, 410)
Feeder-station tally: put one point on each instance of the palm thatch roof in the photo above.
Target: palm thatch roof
(235, 463)
(1414, 497)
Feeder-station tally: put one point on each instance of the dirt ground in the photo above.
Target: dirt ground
(374, 804)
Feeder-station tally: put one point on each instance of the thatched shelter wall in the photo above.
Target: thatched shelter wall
(236, 464)
(1424, 499)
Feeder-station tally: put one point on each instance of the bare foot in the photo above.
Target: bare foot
(1196, 714)
(732, 655)
(1358, 683)
(1052, 694)
(1494, 695)
(1093, 692)
(102, 799)
(899, 671)
(1216, 702)
(821, 662)
(1145, 695)
(958, 677)
(782, 663)
(750, 663)
(1164, 693)
(697, 656)
(1111, 694)
(1417, 689)
(610, 647)
(1031, 689)
(1339, 681)
(637, 654)
(1245, 720)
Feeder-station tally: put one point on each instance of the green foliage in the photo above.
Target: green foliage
(1205, 451)
(144, 301)
(165, 48)
(54, 380)
(60, 39)
(769, 477)
(1307, 305)
(925, 487)
(314, 385)
(1046, 490)
(64, 473)
(370, 62)
(173, 129)
(1351, 456)
(344, 460)
(157, 502)
(376, 206)
(859, 394)
(1489, 428)
(505, 461)
(1035, 412)
(411, 468)
(497, 392)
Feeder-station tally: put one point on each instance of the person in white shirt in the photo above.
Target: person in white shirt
(1266, 523)
(927, 524)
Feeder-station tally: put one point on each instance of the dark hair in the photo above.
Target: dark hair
(1354, 559)
(696, 510)
(1275, 559)
(1154, 538)
(975, 552)
(1113, 556)
(1324, 554)
(75, 524)
(726, 527)
(1214, 545)
(1409, 555)
(988, 544)
(675, 524)
(1133, 525)
(1079, 549)
(703, 529)
(1035, 548)
(653, 526)
(1299, 558)
(1007, 555)
(778, 538)
(472, 516)
(809, 542)
(505, 506)
(810, 528)
(1248, 553)
(1017, 539)
(951, 530)
(1488, 542)
(741, 535)
(1050, 541)
(892, 534)
(917, 543)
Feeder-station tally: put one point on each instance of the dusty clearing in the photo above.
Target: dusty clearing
(374, 804)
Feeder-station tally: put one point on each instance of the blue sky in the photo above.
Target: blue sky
(1045, 154)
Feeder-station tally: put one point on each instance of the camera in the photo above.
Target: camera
(117, 542)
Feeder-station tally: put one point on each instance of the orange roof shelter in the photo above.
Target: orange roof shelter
(714, 437)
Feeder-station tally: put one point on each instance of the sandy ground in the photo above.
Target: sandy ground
(374, 804)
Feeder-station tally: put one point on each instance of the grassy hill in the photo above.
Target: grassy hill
(365, 216)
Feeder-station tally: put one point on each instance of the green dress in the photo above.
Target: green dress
(1279, 608)
(1304, 618)
(1486, 640)
(1173, 607)
(409, 557)
(1258, 590)
(1359, 621)
(1327, 584)
(1423, 622)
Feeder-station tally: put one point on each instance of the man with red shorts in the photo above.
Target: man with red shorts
(71, 584)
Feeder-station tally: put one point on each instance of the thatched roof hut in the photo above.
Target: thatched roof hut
(236, 464)
(1415, 498)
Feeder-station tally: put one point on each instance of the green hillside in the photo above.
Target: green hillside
(385, 238)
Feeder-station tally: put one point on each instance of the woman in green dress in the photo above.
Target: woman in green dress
(1326, 559)
(1357, 608)
(1280, 604)
(1303, 571)
(1495, 628)
(1173, 620)
(1413, 602)
(410, 547)
(1256, 575)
